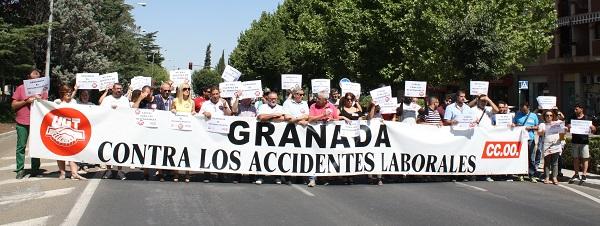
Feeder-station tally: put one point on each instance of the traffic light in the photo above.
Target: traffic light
(190, 65)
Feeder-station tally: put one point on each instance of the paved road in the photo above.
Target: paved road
(135, 202)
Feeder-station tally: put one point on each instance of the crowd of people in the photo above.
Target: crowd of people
(297, 107)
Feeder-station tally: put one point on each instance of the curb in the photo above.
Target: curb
(7, 134)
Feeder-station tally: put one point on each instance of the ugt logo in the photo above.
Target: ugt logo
(65, 131)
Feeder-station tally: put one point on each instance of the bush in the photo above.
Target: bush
(594, 155)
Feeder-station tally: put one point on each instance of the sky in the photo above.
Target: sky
(185, 27)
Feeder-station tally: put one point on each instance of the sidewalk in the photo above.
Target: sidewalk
(593, 180)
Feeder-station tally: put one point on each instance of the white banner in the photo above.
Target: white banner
(38, 86)
(230, 74)
(350, 87)
(479, 88)
(415, 89)
(180, 77)
(87, 133)
(581, 127)
(320, 85)
(546, 102)
(107, 80)
(87, 80)
(290, 81)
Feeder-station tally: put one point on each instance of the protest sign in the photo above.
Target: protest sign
(415, 89)
(290, 81)
(230, 74)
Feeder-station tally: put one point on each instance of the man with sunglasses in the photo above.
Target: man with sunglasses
(296, 107)
(164, 100)
(204, 97)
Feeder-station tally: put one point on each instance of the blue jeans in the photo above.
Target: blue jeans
(532, 158)
(312, 178)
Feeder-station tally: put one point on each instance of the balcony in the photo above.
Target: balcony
(579, 19)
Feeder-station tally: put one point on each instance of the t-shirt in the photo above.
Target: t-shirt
(23, 113)
(296, 109)
(550, 143)
(432, 116)
(579, 138)
(532, 120)
(266, 109)
(110, 101)
(198, 103)
(212, 108)
(452, 111)
(352, 116)
(316, 111)
(87, 103)
(410, 112)
(486, 118)
(184, 105)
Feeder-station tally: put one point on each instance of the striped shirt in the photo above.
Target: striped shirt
(432, 116)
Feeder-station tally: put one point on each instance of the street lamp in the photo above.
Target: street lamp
(47, 68)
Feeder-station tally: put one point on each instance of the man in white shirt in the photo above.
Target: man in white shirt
(216, 106)
(456, 110)
(115, 100)
(297, 108)
(482, 112)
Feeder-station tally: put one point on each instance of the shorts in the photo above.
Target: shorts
(581, 151)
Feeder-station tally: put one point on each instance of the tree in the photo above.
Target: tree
(207, 63)
(205, 78)
(221, 65)
(16, 56)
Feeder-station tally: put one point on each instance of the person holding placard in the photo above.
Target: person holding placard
(200, 99)
(334, 97)
(430, 115)
(552, 133)
(114, 101)
(321, 111)
(183, 104)
(350, 110)
(530, 121)
(455, 110)
(580, 145)
(272, 112)
(484, 113)
(296, 107)
(21, 104)
(410, 110)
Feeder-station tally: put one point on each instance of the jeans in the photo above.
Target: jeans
(532, 155)
(538, 154)
(22, 135)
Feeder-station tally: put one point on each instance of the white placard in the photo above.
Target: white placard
(350, 87)
(139, 82)
(290, 81)
(555, 128)
(146, 117)
(38, 86)
(251, 89)
(383, 94)
(479, 88)
(503, 119)
(87, 80)
(351, 129)
(415, 89)
(228, 89)
(546, 102)
(230, 74)
(219, 124)
(581, 127)
(107, 80)
(320, 85)
(180, 77)
(465, 122)
(181, 122)
(389, 107)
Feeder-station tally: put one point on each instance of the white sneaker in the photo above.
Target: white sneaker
(102, 166)
(80, 172)
(121, 175)
(107, 174)
(489, 179)
(277, 181)
(259, 181)
(312, 183)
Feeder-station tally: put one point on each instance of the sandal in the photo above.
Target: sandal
(547, 181)
(61, 177)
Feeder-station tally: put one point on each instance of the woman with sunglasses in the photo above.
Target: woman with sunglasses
(552, 132)
(350, 110)
(183, 104)
(65, 93)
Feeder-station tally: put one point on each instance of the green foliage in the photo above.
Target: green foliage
(594, 155)
(207, 62)
(16, 56)
(221, 65)
(7, 115)
(390, 41)
(205, 78)
(158, 73)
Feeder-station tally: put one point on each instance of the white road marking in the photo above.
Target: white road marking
(303, 190)
(14, 181)
(81, 203)
(35, 195)
(581, 193)
(27, 166)
(31, 222)
(470, 186)
(9, 158)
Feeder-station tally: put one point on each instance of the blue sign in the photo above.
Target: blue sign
(523, 84)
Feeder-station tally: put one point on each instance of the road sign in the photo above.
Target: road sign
(523, 84)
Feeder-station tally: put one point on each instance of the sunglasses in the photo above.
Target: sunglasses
(186, 89)
(549, 115)
(166, 91)
(300, 94)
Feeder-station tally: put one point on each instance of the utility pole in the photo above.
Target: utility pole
(47, 69)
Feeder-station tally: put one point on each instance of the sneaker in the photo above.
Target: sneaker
(489, 179)
(288, 182)
(121, 175)
(380, 182)
(572, 180)
(206, 181)
(583, 178)
(107, 175)
(521, 178)
(312, 183)
(102, 166)
(277, 181)
(80, 172)
(534, 180)
(20, 175)
(259, 181)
